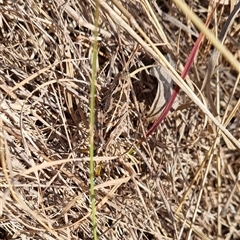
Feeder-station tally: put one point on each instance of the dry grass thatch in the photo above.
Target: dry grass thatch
(182, 183)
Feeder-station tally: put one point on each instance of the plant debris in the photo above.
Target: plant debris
(173, 186)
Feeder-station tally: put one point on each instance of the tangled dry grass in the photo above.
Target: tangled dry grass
(173, 186)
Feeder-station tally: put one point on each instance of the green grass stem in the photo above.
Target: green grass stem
(92, 118)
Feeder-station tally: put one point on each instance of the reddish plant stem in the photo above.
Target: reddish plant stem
(189, 62)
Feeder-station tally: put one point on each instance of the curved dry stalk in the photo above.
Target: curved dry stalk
(65, 6)
(214, 58)
(175, 76)
(46, 58)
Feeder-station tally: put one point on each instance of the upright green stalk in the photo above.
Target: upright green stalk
(92, 117)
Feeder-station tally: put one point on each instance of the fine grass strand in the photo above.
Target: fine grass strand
(217, 43)
(182, 183)
(160, 58)
(92, 117)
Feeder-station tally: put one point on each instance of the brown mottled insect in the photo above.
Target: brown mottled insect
(98, 170)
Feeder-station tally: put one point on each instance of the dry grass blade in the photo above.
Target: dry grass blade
(215, 55)
(181, 183)
(175, 76)
(5, 161)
